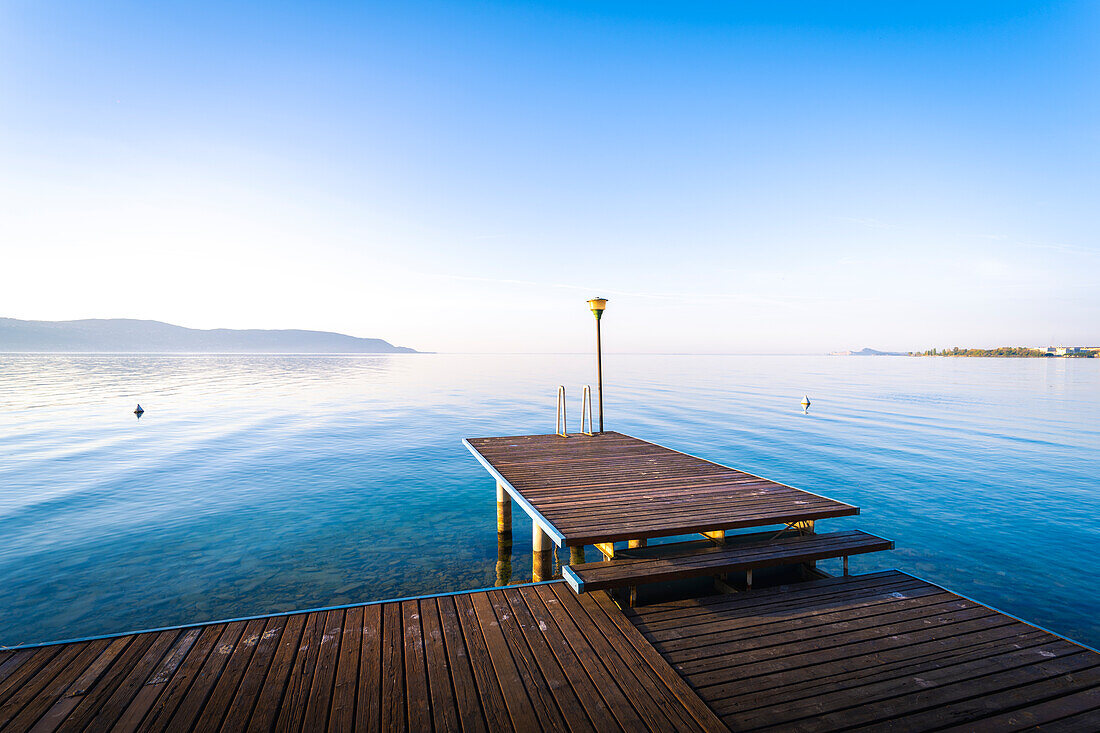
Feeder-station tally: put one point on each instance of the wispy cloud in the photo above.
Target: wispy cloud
(866, 222)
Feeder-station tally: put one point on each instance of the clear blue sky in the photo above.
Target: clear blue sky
(769, 177)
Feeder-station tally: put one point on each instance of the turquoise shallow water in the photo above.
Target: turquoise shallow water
(257, 484)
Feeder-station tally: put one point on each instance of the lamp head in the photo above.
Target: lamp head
(597, 305)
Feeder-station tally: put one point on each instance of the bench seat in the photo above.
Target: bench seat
(693, 559)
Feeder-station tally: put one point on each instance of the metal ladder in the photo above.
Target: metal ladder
(562, 425)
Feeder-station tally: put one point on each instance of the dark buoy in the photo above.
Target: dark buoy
(138, 411)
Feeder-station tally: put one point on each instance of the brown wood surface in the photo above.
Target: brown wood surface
(611, 487)
(695, 559)
(522, 658)
(884, 651)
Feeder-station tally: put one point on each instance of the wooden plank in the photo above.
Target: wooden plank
(12, 660)
(393, 668)
(143, 701)
(663, 565)
(27, 670)
(541, 602)
(368, 715)
(548, 643)
(873, 695)
(796, 682)
(74, 694)
(39, 683)
(24, 708)
(217, 707)
(324, 674)
(440, 687)
(676, 684)
(815, 626)
(292, 710)
(100, 691)
(711, 656)
(254, 675)
(417, 699)
(265, 713)
(520, 706)
(342, 716)
(960, 702)
(651, 707)
(492, 694)
(568, 699)
(538, 688)
(190, 707)
(464, 678)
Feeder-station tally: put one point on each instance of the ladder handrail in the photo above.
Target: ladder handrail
(562, 427)
(586, 402)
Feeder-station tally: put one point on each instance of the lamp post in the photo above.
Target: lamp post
(598, 305)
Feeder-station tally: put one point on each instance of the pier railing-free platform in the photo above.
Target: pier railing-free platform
(609, 487)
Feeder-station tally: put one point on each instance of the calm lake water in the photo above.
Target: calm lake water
(257, 484)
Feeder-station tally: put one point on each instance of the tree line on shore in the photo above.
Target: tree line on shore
(1010, 351)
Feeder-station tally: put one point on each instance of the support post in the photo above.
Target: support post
(504, 509)
(542, 551)
(504, 536)
(717, 537)
(845, 566)
(633, 595)
(607, 548)
(576, 555)
(748, 579)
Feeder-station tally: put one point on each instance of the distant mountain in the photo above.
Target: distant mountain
(128, 335)
(868, 352)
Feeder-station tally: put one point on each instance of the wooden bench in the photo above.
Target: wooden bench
(693, 559)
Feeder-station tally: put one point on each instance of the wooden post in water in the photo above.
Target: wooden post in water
(504, 536)
(633, 595)
(542, 551)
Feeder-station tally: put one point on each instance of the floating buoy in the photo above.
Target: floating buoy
(138, 411)
(806, 402)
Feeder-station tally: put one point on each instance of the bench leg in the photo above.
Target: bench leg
(608, 550)
(845, 566)
(718, 537)
(748, 580)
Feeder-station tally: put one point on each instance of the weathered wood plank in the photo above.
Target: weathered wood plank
(342, 716)
(273, 688)
(847, 653)
(252, 680)
(324, 674)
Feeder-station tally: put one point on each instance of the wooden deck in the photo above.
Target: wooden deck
(586, 490)
(884, 651)
(524, 658)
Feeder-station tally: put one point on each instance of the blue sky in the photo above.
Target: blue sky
(771, 177)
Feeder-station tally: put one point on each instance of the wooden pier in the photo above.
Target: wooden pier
(882, 651)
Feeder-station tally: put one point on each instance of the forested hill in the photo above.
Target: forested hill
(135, 336)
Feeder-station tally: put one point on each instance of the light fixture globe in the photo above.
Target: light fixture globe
(597, 305)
